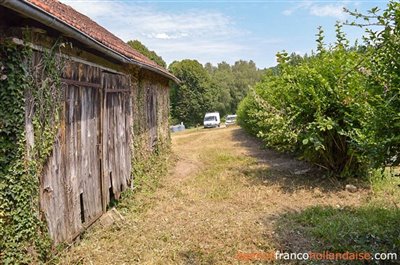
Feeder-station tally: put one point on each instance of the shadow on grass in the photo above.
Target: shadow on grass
(285, 170)
(365, 229)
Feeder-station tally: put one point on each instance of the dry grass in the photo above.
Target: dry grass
(223, 195)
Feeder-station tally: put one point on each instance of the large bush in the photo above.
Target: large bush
(383, 69)
(322, 108)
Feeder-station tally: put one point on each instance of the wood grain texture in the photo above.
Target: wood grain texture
(117, 124)
(71, 193)
(91, 161)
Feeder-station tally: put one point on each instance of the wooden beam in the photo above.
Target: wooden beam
(80, 83)
(117, 90)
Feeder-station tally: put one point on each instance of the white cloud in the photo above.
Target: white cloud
(320, 10)
(327, 11)
(201, 33)
(288, 12)
(164, 36)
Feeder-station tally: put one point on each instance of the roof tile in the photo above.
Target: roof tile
(73, 18)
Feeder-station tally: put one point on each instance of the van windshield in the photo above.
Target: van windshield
(210, 118)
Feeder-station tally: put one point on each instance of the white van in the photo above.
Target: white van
(212, 120)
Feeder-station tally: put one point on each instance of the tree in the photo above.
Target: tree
(230, 83)
(152, 55)
(245, 75)
(210, 88)
(210, 68)
(191, 99)
(338, 108)
(220, 88)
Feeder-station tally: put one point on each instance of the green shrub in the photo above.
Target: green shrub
(338, 108)
(317, 108)
(384, 80)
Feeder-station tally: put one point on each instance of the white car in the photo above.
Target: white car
(230, 120)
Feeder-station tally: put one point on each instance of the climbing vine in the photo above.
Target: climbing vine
(30, 94)
(46, 97)
(148, 164)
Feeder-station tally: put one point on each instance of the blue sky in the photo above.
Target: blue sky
(216, 31)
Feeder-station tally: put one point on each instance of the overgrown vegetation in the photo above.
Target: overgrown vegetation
(338, 108)
(29, 94)
(147, 172)
(149, 167)
(149, 164)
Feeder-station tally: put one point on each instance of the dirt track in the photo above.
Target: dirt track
(222, 197)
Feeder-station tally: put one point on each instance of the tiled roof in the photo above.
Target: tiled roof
(73, 18)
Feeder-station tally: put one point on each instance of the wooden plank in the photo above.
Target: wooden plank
(70, 57)
(80, 83)
(73, 160)
(94, 145)
(105, 171)
(72, 176)
(90, 188)
(116, 131)
(101, 150)
(85, 226)
(117, 90)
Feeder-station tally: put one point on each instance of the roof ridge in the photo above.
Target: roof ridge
(84, 24)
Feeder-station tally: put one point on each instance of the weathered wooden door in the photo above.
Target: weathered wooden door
(91, 160)
(82, 160)
(71, 195)
(116, 135)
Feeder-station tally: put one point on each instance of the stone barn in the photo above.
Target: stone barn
(101, 104)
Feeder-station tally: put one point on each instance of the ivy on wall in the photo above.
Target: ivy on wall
(147, 164)
(30, 93)
(30, 115)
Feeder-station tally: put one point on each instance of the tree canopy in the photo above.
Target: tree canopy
(190, 99)
(210, 88)
(152, 55)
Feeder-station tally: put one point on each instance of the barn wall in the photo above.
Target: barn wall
(107, 107)
(151, 112)
(104, 114)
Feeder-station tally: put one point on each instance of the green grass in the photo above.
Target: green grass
(351, 229)
(372, 227)
(219, 180)
(386, 190)
(147, 179)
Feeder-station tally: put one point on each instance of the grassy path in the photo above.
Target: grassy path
(223, 196)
